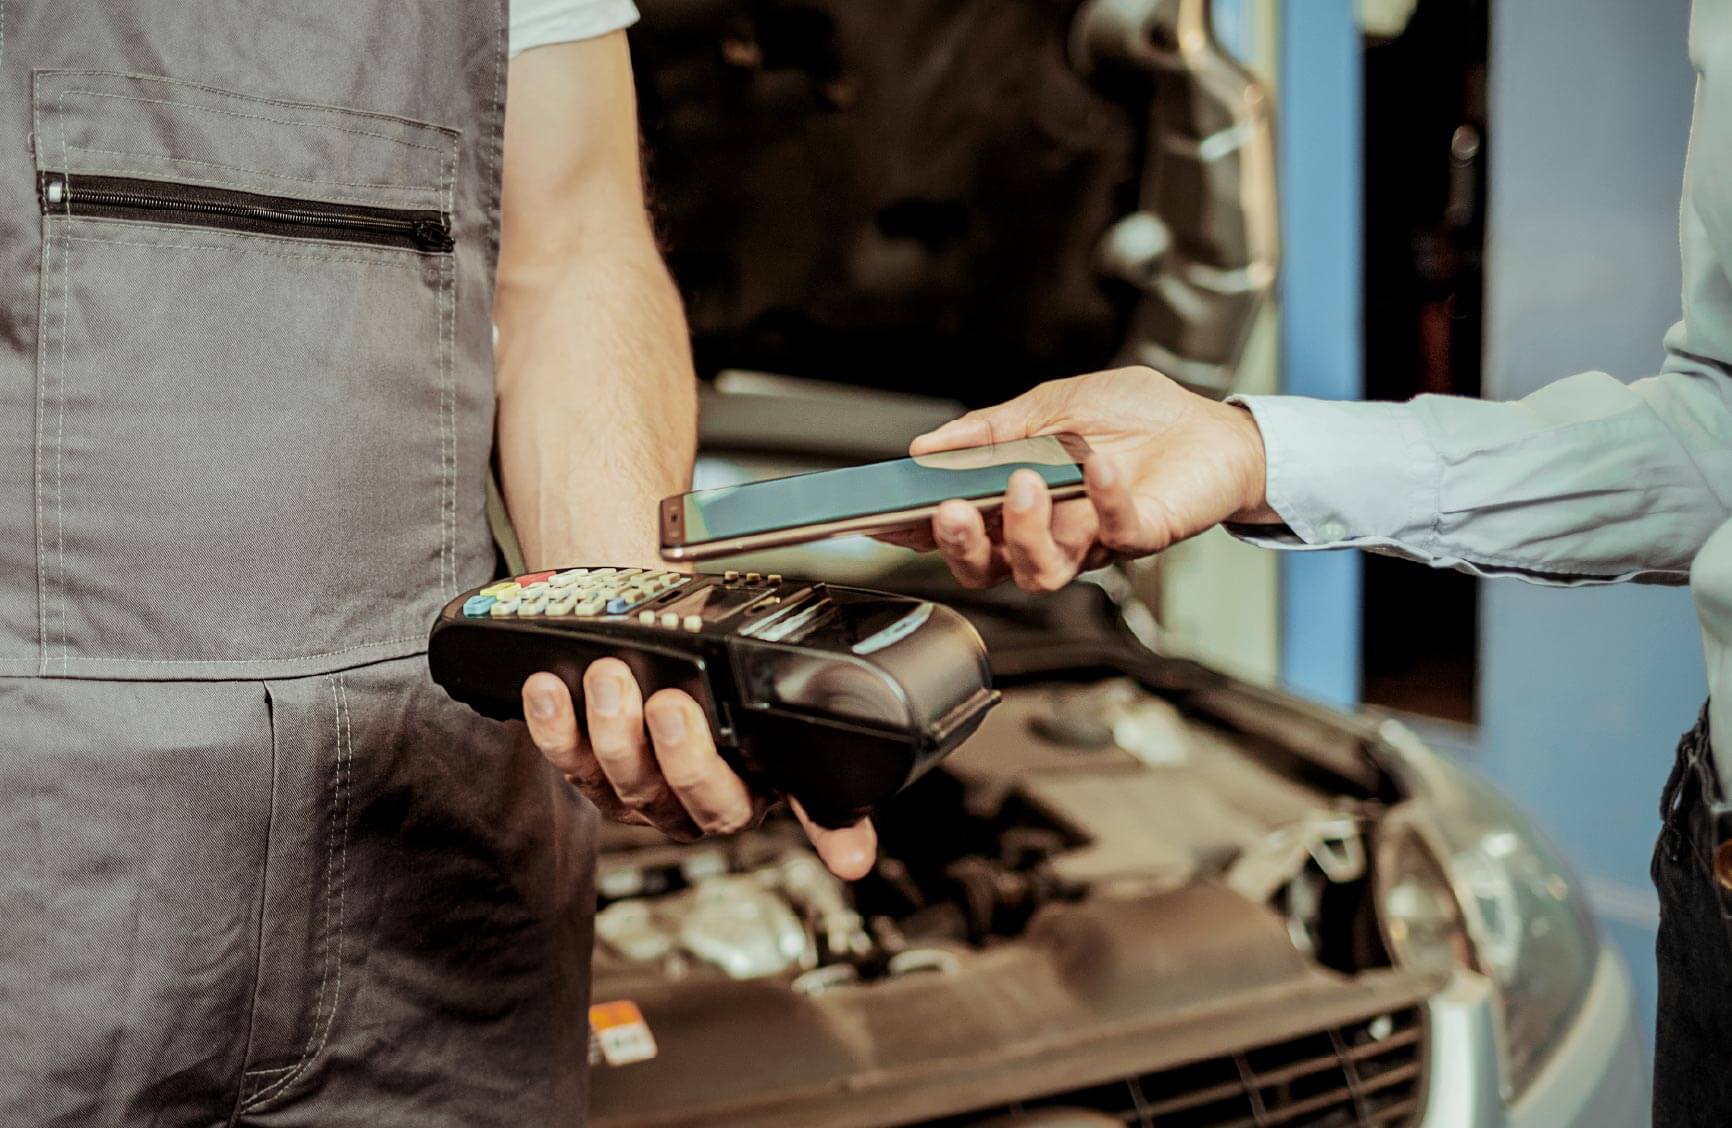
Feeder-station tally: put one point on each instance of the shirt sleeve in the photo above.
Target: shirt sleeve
(537, 23)
(1588, 480)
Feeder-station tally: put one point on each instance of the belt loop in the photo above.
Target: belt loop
(1716, 812)
(1674, 796)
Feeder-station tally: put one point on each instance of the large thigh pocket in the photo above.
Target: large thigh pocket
(425, 930)
(246, 453)
(133, 826)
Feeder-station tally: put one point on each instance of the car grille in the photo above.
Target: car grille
(1368, 1072)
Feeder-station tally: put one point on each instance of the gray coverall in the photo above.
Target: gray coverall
(254, 868)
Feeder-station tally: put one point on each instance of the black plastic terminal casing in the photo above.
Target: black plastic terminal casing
(837, 696)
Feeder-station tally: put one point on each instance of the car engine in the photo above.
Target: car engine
(1068, 791)
(1132, 891)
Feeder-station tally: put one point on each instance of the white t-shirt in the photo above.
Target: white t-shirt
(536, 23)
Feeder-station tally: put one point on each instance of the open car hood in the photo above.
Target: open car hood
(1130, 958)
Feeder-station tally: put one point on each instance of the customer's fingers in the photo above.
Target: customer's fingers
(848, 852)
(1122, 528)
(961, 534)
(1035, 559)
(552, 722)
(715, 798)
(1075, 528)
(614, 705)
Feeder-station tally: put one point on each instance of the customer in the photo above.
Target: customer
(1586, 481)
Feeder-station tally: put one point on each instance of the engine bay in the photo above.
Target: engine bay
(1098, 876)
(1069, 791)
(1136, 875)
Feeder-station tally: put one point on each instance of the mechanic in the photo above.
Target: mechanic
(1586, 481)
(254, 868)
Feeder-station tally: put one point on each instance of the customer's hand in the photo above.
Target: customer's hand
(672, 778)
(1167, 465)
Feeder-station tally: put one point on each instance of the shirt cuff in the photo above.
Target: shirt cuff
(1345, 474)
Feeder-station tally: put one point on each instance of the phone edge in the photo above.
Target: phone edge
(827, 530)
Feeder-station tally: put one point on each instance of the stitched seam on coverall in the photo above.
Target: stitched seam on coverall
(60, 424)
(254, 99)
(448, 400)
(254, 117)
(339, 798)
(43, 301)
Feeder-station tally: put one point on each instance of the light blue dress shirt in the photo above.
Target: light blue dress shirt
(1588, 480)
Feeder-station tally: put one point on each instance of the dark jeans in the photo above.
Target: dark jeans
(1693, 1038)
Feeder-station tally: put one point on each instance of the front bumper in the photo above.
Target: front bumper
(1597, 1076)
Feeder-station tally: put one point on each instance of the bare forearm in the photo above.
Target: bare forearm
(597, 405)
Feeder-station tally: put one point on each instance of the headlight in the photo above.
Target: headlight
(1530, 929)
(1420, 918)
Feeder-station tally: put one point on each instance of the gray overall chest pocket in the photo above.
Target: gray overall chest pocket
(245, 443)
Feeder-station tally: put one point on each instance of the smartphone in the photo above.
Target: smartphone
(877, 497)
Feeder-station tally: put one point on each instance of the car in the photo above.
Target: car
(1145, 892)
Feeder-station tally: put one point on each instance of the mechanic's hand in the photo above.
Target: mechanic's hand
(673, 779)
(1167, 464)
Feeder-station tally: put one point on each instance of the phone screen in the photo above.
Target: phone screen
(878, 487)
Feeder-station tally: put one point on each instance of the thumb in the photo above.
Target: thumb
(847, 852)
(1014, 419)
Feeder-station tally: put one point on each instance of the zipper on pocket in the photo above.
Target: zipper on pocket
(157, 201)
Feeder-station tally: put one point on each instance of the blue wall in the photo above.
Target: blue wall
(1321, 126)
(1583, 693)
